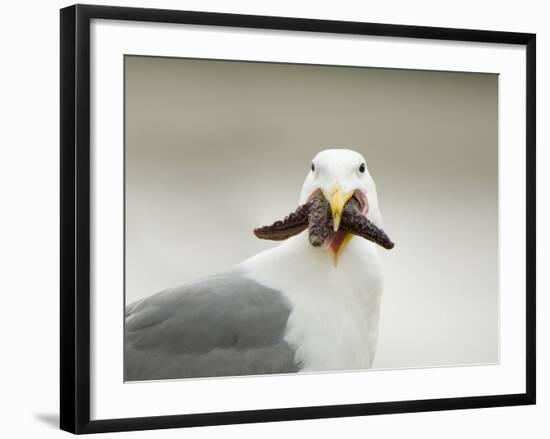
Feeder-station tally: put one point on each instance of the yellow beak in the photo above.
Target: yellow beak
(337, 200)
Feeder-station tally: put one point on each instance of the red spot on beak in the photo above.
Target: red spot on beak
(336, 241)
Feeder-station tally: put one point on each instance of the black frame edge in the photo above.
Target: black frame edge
(303, 413)
(67, 349)
(75, 218)
(531, 218)
(303, 24)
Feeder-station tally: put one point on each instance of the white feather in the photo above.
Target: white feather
(333, 322)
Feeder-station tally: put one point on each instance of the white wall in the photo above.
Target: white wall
(29, 216)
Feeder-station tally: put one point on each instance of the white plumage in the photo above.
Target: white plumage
(333, 322)
(293, 308)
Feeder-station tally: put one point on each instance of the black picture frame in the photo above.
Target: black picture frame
(75, 217)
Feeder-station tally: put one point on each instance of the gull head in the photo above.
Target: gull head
(340, 175)
(338, 201)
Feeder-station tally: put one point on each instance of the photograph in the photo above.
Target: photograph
(270, 218)
(284, 218)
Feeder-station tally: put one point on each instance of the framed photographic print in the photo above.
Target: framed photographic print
(273, 218)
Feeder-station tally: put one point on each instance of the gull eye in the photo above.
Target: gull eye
(312, 167)
(362, 168)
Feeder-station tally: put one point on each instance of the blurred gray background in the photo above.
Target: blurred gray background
(216, 148)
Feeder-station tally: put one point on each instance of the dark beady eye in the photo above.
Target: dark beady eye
(362, 168)
(313, 167)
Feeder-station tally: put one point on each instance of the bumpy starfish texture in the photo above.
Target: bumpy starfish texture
(316, 216)
(293, 224)
(319, 221)
(356, 223)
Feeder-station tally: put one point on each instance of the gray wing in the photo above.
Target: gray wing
(222, 325)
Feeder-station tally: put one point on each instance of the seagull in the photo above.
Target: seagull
(309, 304)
